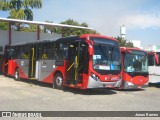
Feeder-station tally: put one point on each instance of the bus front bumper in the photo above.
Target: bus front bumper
(92, 83)
(129, 85)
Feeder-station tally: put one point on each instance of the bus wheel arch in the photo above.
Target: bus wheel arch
(58, 80)
(17, 74)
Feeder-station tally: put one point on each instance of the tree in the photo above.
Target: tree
(124, 43)
(69, 31)
(3, 26)
(49, 29)
(74, 31)
(28, 28)
(20, 9)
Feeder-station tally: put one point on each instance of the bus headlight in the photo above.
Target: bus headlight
(95, 77)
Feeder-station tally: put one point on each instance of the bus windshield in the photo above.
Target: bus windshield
(106, 58)
(136, 61)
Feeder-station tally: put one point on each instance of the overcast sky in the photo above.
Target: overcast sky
(141, 17)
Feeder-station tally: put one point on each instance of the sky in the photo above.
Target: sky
(141, 17)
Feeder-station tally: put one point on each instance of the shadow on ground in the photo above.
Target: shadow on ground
(72, 90)
(154, 84)
(91, 91)
(129, 90)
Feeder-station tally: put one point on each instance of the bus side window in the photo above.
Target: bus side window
(50, 51)
(42, 51)
(11, 51)
(21, 52)
(46, 51)
(151, 60)
(16, 52)
(26, 51)
(61, 51)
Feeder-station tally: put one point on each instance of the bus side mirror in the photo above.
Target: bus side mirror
(90, 50)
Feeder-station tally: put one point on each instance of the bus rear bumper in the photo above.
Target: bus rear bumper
(99, 84)
(129, 85)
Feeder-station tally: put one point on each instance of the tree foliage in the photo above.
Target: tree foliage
(124, 43)
(28, 28)
(69, 31)
(20, 9)
(3, 26)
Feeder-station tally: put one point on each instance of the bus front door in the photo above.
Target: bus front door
(76, 63)
(32, 63)
(73, 63)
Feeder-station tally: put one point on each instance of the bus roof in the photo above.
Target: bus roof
(67, 39)
(34, 42)
(97, 35)
(126, 49)
(43, 23)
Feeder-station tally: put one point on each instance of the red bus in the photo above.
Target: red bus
(135, 68)
(86, 61)
(154, 67)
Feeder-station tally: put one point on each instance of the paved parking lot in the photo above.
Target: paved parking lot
(27, 95)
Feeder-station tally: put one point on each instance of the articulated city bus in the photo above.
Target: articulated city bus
(154, 67)
(86, 61)
(135, 68)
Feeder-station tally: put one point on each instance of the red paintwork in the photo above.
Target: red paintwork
(137, 80)
(12, 65)
(126, 49)
(85, 81)
(62, 69)
(125, 77)
(96, 35)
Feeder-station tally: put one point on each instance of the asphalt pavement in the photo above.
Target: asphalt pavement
(29, 95)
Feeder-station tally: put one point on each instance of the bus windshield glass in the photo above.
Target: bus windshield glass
(136, 61)
(106, 59)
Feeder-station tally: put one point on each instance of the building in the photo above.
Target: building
(152, 48)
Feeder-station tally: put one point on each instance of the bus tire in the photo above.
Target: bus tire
(17, 74)
(58, 81)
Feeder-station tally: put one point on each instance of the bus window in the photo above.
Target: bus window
(151, 60)
(50, 51)
(46, 51)
(62, 50)
(18, 52)
(11, 50)
(42, 52)
(26, 51)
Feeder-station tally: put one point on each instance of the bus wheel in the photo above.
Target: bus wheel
(58, 80)
(16, 74)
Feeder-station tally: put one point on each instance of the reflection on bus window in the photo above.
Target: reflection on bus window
(136, 62)
(62, 50)
(151, 60)
(106, 58)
